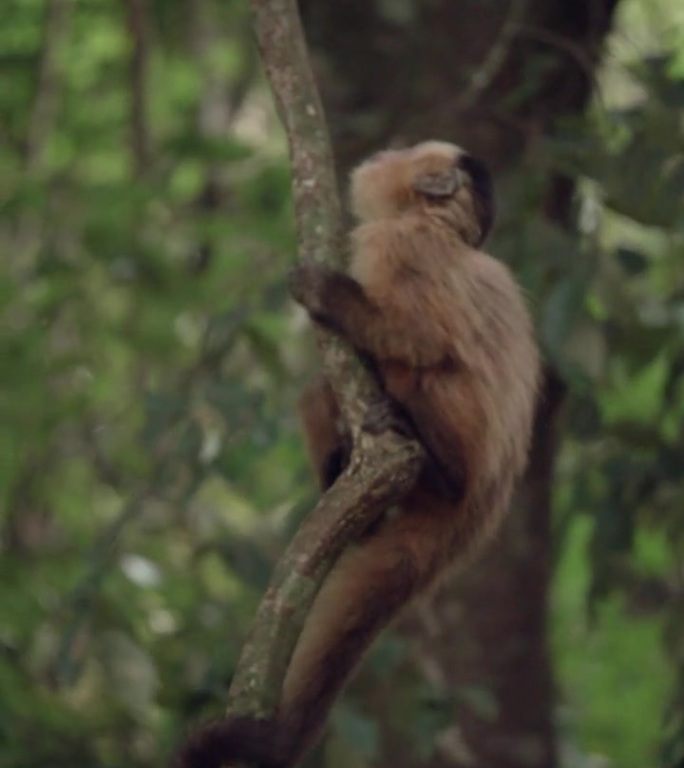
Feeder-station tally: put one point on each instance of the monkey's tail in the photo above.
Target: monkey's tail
(366, 589)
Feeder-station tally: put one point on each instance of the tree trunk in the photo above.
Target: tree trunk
(495, 78)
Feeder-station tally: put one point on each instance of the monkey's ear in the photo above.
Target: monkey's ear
(442, 184)
(483, 193)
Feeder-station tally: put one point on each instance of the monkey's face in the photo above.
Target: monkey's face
(435, 178)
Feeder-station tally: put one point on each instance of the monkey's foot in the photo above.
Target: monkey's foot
(384, 415)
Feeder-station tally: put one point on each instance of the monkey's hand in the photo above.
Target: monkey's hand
(338, 302)
(312, 285)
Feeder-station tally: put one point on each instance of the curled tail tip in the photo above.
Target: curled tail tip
(227, 743)
(206, 747)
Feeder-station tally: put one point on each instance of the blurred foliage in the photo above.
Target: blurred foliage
(150, 466)
(147, 458)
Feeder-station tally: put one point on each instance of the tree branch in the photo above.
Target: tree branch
(482, 78)
(382, 468)
(42, 123)
(138, 30)
(43, 114)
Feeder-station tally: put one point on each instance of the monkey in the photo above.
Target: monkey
(446, 330)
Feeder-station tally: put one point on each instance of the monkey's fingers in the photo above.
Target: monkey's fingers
(308, 284)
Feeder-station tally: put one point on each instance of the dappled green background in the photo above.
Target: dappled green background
(150, 465)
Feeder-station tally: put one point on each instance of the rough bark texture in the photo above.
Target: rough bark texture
(403, 72)
(382, 467)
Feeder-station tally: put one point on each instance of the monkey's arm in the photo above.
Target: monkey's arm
(340, 303)
(403, 328)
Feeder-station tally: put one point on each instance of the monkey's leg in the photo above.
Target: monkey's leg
(327, 444)
(339, 302)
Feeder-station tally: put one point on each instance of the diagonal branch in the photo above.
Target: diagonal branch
(382, 468)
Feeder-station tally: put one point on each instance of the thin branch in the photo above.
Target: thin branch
(222, 95)
(31, 228)
(78, 606)
(582, 57)
(382, 468)
(138, 30)
(46, 100)
(220, 102)
(482, 78)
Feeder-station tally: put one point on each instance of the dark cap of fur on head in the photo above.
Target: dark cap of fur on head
(483, 192)
(465, 170)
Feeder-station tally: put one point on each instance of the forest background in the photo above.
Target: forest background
(151, 467)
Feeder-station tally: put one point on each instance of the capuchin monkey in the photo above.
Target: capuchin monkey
(446, 330)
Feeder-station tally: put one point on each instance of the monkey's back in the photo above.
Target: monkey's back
(466, 367)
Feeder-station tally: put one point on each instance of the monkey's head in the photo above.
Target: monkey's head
(436, 178)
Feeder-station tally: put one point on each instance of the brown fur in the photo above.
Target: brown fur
(451, 340)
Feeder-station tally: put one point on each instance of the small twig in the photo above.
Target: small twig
(482, 78)
(220, 102)
(138, 30)
(42, 121)
(78, 605)
(581, 56)
(44, 110)
(575, 51)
